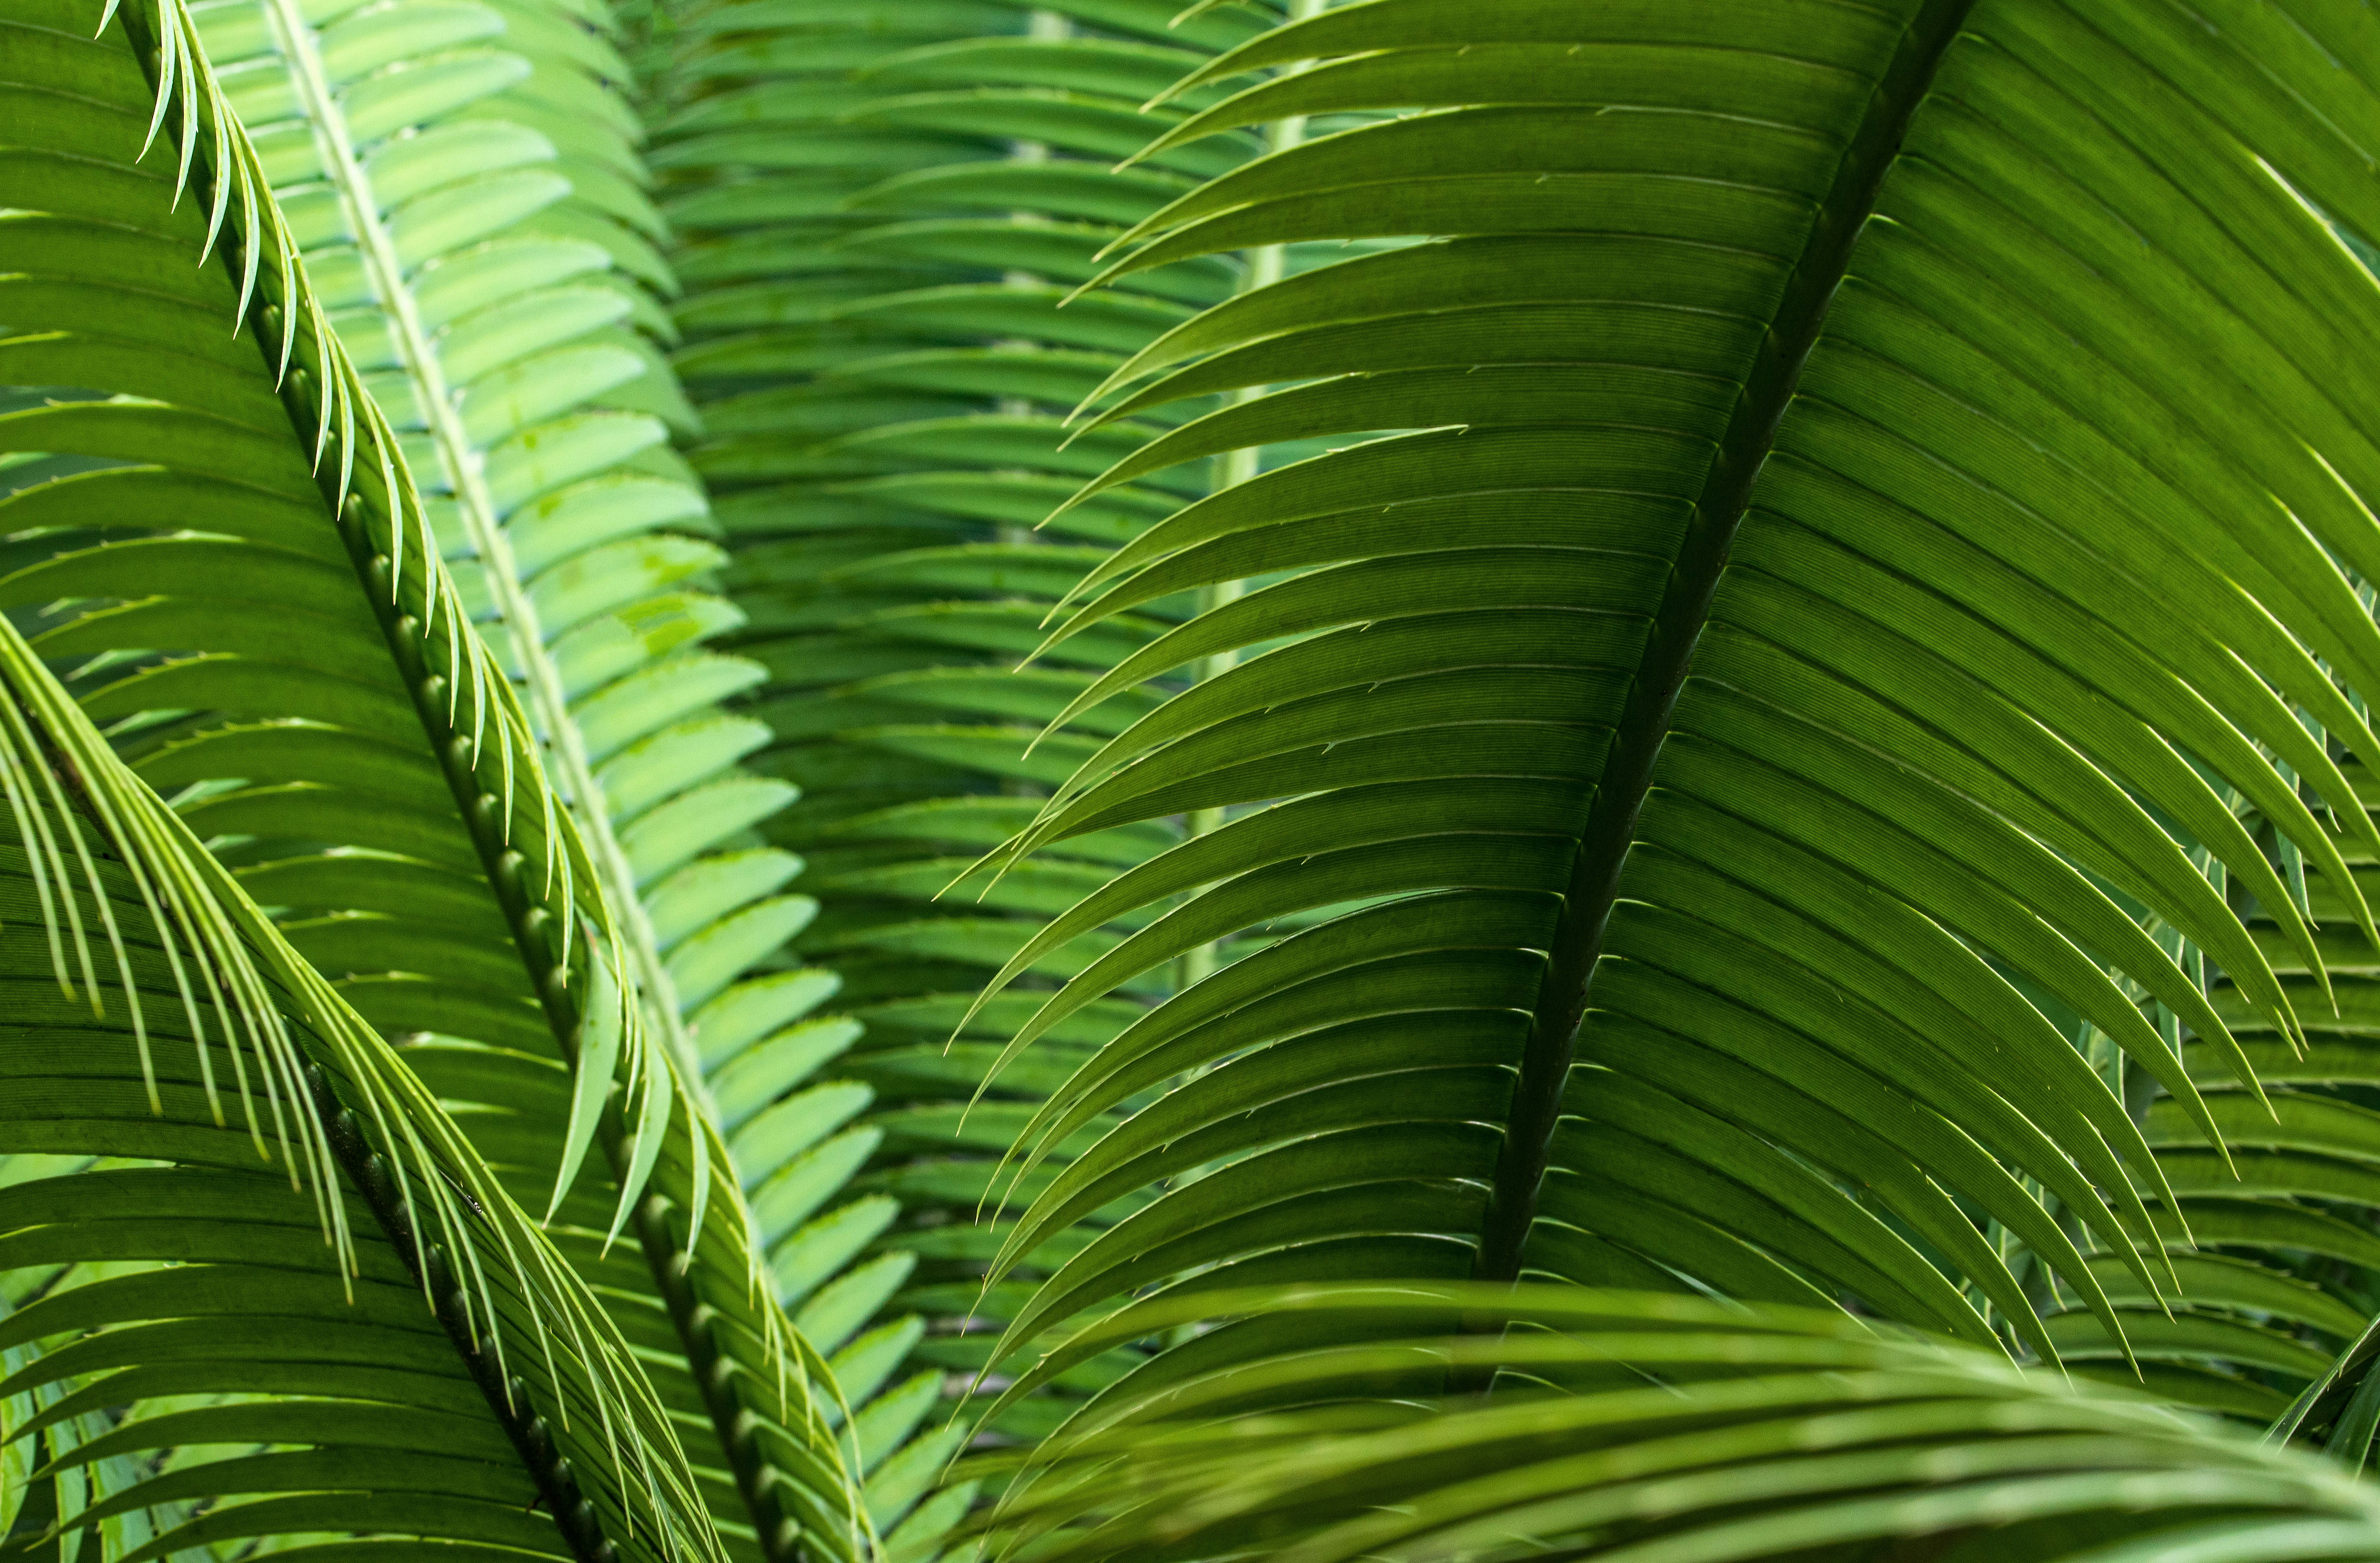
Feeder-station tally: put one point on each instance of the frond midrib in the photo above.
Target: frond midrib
(1577, 945)
(465, 469)
(504, 869)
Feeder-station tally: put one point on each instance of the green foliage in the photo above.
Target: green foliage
(488, 272)
(1603, 664)
(1636, 1427)
(1715, 653)
(880, 218)
(175, 1126)
(271, 638)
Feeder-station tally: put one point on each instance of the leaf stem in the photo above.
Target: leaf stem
(1610, 827)
(525, 916)
(484, 814)
(466, 471)
(368, 1174)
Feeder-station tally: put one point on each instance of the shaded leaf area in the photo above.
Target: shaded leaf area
(882, 211)
(1638, 1427)
(2305, 1198)
(252, 625)
(1804, 697)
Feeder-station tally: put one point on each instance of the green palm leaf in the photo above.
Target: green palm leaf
(328, 735)
(238, 1227)
(547, 431)
(884, 209)
(1641, 1428)
(1800, 685)
(1721, 651)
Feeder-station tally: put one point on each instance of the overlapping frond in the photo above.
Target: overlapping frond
(1634, 1427)
(1881, 512)
(437, 204)
(883, 209)
(256, 632)
(236, 1230)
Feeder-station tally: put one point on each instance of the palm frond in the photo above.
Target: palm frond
(1787, 707)
(237, 1228)
(1636, 1427)
(885, 211)
(534, 428)
(327, 736)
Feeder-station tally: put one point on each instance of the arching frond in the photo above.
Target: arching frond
(1872, 534)
(240, 1229)
(1634, 1427)
(257, 635)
